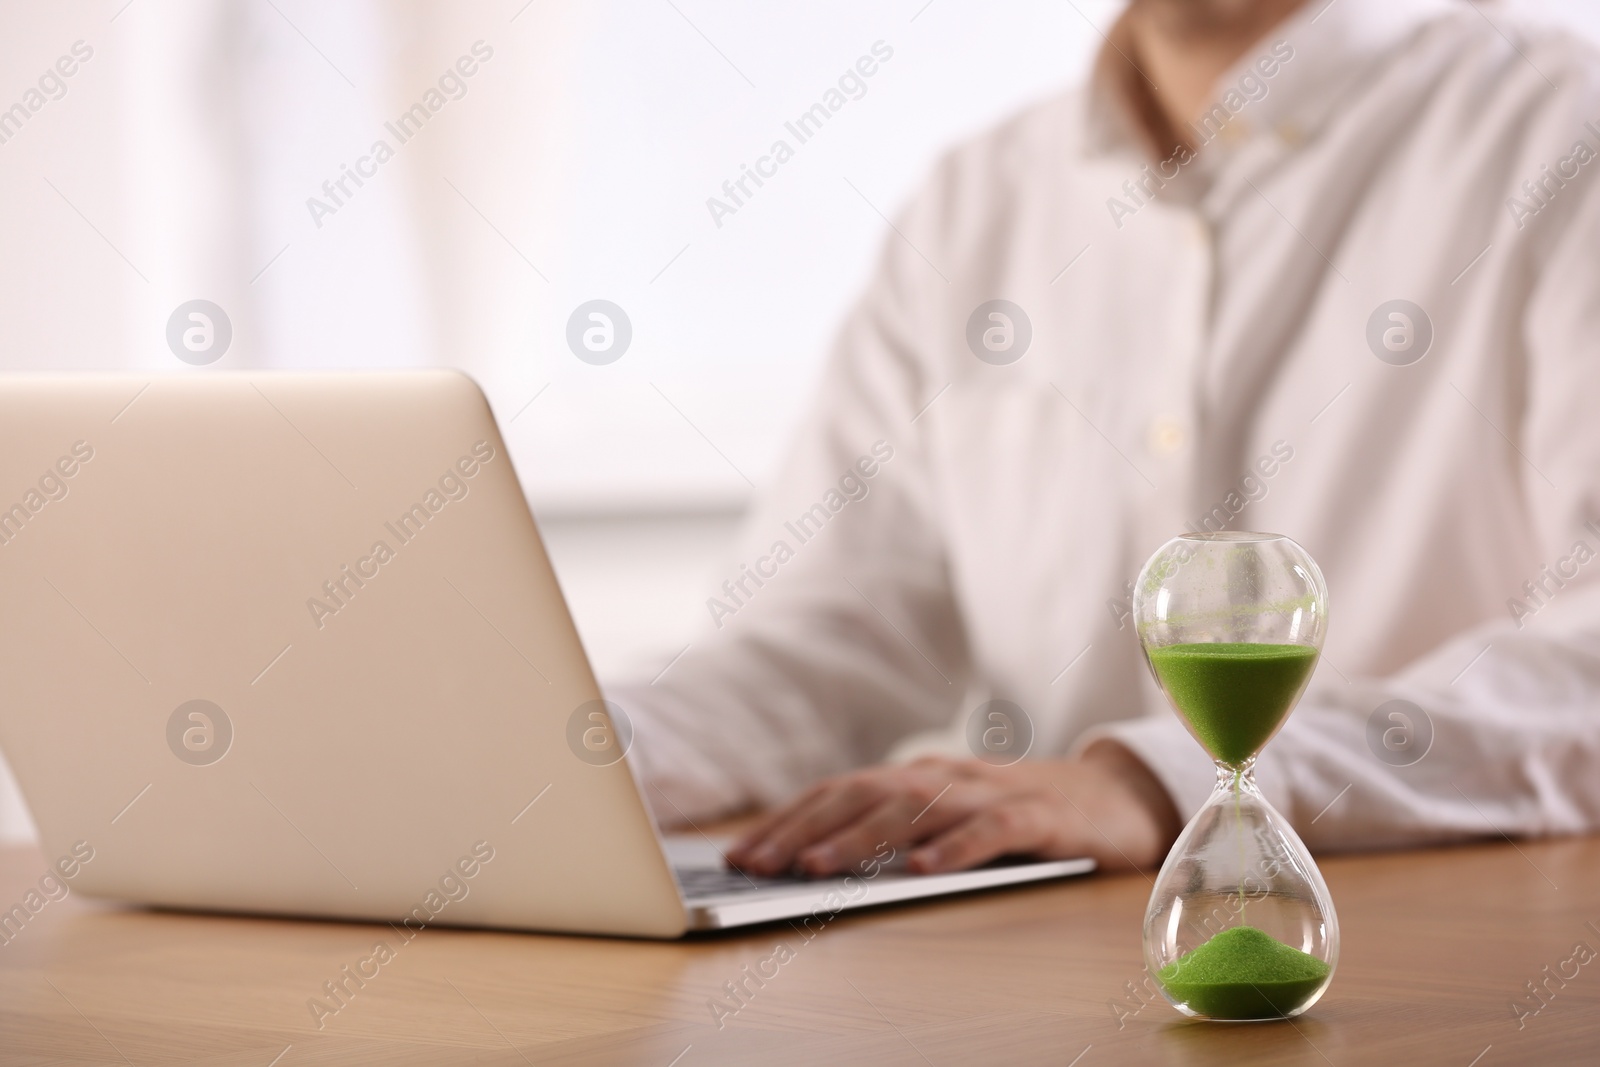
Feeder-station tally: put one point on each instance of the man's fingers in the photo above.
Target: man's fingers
(835, 806)
(961, 814)
(768, 822)
(1007, 827)
(905, 818)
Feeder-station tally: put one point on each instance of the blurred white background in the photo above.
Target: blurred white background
(575, 164)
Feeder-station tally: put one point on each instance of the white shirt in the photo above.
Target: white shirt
(1200, 356)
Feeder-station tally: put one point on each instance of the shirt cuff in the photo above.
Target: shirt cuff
(679, 783)
(1174, 757)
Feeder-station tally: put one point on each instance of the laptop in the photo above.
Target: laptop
(289, 644)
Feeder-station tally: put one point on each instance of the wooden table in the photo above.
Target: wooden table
(1437, 947)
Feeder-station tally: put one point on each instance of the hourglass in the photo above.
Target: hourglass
(1240, 925)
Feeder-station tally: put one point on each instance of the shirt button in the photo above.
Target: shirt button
(1234, 131)
(1291, 134)
(1166, 436)
(1198, 233)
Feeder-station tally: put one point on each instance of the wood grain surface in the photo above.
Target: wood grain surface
(1438, 949)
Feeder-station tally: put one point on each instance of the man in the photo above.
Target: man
(1324, 270)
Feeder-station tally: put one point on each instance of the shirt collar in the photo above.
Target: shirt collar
(1327, 44)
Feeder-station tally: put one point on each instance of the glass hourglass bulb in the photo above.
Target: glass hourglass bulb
(1240, 925)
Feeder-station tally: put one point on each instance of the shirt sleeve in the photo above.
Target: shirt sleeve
(836, 632)
(1497, 731)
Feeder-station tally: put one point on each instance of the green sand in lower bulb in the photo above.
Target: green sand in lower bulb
(1244, 974)
(1234, 694)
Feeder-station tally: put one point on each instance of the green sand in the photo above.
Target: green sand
(1234, 694)
(1243, 973)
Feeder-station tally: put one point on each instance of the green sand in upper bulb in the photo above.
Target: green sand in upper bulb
(1243, 973)
(1234, 694)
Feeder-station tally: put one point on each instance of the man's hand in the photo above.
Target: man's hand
(962, 813)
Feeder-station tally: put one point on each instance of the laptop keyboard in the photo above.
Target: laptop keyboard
(719, 881)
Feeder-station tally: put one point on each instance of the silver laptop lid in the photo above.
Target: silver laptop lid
(290, 644)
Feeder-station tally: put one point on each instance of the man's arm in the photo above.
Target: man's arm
(836, 633)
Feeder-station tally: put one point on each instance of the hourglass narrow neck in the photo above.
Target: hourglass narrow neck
(1233, 776)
